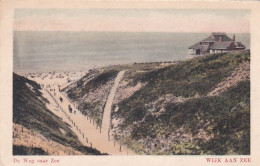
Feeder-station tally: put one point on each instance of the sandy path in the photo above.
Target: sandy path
(84, 127)
(107, 111)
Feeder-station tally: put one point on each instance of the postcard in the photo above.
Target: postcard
(129, 83)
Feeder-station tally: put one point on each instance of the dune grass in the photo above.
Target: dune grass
(227, 114)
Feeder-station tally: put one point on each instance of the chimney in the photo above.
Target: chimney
(234, 37)
(220, 39)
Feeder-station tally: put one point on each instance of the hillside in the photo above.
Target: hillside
(36, 130)
(92, 90)
(197, 106)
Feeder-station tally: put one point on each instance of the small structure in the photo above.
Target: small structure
(217, 42)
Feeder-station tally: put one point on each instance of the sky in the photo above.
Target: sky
(133, 20)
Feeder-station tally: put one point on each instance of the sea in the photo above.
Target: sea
(46, 51)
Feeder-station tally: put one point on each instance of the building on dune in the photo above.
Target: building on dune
(217, 42)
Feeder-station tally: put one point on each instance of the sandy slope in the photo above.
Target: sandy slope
(23, 136)
(241, 73)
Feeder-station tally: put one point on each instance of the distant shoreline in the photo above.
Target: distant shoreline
(97, 67)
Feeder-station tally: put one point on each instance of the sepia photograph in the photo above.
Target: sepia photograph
(131, 82)
(100, 83)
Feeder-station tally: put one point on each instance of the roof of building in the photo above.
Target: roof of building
(209, 39)
(195, 46)
(218, 33)
(220, 41)
(225, 38)
(239, 45)
(220, 45)
(216, 37)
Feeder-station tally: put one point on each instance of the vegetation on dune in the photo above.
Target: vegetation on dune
(29, 110)
(187, 79)
(206, 124)
(96, 84)
(93, 110)
(228, 116)
(82, 88)
(23, 150)
(153, 121)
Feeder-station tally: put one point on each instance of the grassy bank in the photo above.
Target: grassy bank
(201, 124)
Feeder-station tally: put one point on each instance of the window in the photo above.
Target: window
(204, 43)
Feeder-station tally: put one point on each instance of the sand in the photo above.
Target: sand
(107, 111)
(84, 127)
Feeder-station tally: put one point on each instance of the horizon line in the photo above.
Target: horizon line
(130, 31)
